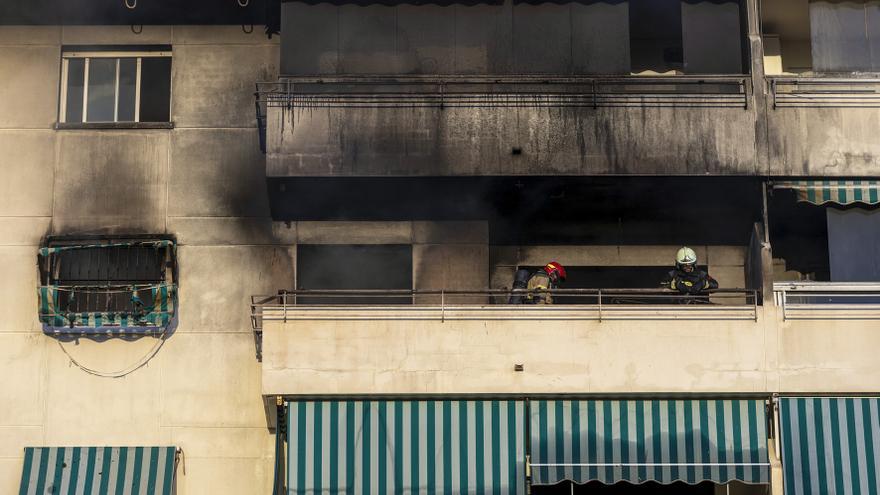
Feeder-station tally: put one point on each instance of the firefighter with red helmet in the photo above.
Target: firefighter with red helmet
(535, 285)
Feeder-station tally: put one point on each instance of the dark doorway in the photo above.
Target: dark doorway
(354, 267)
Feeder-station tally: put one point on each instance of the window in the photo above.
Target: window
(107, 284)
(116, 85)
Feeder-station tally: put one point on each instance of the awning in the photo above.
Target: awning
(153, 308)
(648, 440)
(830, 445)
(111, 470)
(842, 192)
(371, 447)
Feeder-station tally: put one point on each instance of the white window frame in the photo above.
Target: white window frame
(87, 56)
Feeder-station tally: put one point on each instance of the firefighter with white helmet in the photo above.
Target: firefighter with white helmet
(687, 278)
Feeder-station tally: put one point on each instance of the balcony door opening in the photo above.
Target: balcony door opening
(686, 37)
(819, 36)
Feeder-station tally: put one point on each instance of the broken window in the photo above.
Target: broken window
(107, 284)
(128, 84)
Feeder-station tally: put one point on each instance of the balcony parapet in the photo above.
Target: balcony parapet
(491, 305)
(828, 300)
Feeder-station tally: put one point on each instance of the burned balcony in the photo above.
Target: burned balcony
(522, 125)
(107, 287)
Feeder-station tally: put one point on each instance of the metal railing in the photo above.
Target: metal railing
(580, 304)
(504, 91)
(854, 92)
(828, 300)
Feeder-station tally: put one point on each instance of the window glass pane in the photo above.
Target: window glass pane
(102, 89)
(155, 89)
(127, 80)
(655, 35)
(75, 77)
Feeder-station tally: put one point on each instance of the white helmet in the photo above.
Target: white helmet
(685, 256)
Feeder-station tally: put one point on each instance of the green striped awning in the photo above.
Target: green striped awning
(830, 445)
(842, 192)
(46, 251)
(156, 305)
(98, 470)
(648, 440)
(372, 447)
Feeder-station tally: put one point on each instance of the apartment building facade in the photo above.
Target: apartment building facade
(242, 263)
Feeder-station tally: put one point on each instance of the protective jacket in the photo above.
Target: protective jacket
(695, 282)
(528, 287)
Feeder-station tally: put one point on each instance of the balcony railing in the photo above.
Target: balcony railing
(441, 305)
(825, 92)
(507, 91)
(828, 300)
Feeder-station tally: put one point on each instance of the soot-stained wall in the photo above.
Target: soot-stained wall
(510, 37)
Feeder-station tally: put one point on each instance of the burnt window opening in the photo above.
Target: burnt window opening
(88, 282)
(687, 36)
(115, 84)
(799, 236)
(355, 267)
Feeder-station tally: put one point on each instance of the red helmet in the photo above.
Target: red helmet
(554, 267)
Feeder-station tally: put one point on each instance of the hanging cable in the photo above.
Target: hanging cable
(243, 3)
(130, 4)
(247, 30)
(121, 373)
(139, 30)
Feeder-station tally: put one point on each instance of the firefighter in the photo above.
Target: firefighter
(536, 283)
(686, 278)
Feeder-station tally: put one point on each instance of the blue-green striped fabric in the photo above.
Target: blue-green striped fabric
(46, 251)
(98, 471)
(406, 447)
(159, 304)
(648, 440)
(830, 445)
(838, 191)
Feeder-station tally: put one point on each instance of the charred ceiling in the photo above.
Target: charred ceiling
(140, 12)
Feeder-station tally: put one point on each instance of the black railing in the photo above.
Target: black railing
(854, 92)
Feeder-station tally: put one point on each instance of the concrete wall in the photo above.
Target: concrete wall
(563, 354)
(479, 141)
(203, 181)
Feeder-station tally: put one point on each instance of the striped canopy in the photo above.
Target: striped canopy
(98, 470)
(158, 304)
(842, 192)
(648, 440)
(830, 445)
(406, 447)
(46, 251)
